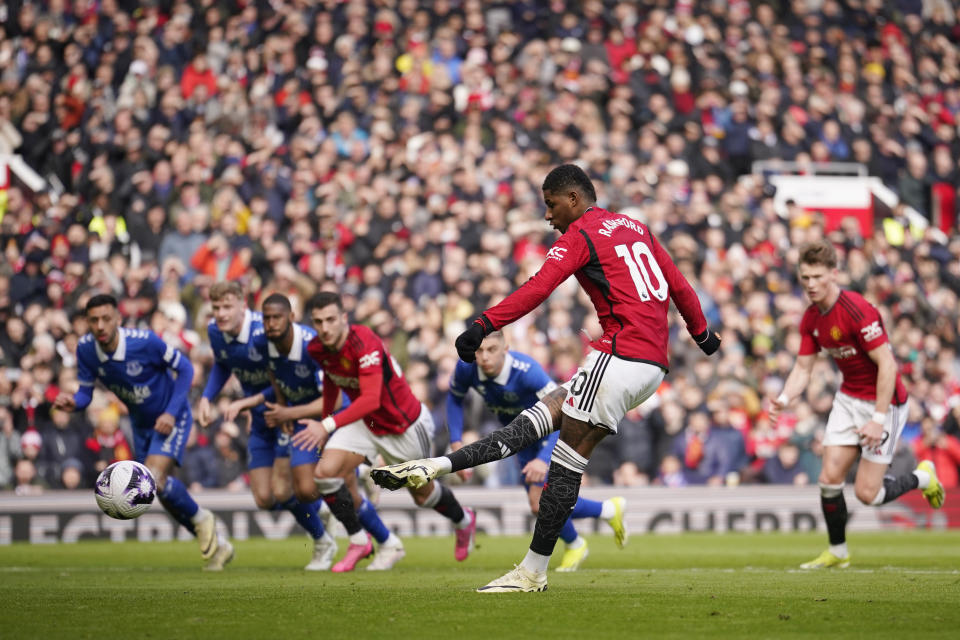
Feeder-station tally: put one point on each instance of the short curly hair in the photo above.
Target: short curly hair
(570, 176)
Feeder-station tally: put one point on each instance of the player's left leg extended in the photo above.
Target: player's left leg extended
(533, 423)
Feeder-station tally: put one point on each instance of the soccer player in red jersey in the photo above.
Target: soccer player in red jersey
(631, 280)
(384, 417)
(870, 408)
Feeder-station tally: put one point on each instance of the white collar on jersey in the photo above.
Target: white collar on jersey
(244, 335)
(119, 353)
(504, 376)
(296, 348)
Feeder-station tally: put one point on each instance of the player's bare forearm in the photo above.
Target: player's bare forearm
(313, 409)
(799, 377)
(886, 376)
(250, 402)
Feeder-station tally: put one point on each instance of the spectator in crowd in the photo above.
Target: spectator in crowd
(72, 475)
(63, 440)
(785, 467)
(107, 444)
(28, 482)
(231, 462)
(9, 448)
(199, 462)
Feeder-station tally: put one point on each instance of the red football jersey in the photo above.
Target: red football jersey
(629, 277)
(371, 378)
(848, 331)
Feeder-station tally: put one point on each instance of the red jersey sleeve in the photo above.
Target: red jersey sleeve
(368, 354)
(566, 256)
(681, 292)
(808, 344)
(869, 326)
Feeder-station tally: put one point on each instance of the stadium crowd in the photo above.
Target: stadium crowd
(394, 149)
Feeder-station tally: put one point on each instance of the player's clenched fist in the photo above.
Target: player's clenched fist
(469, 341)
(708, 341)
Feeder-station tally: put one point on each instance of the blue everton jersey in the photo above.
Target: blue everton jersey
(297, 375)
(519, 385)
(149, 376)
(241, 355)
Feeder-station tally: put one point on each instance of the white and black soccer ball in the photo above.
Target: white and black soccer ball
(125, 490)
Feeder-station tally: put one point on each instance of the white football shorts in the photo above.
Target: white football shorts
(849, 414)
(414, 443)
(606, 387)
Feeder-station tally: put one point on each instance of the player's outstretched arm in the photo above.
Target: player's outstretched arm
(278, 414)
(243, 404)
(796, 382)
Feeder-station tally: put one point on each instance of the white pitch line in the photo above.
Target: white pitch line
(774, 570)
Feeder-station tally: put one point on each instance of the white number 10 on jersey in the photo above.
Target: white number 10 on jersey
(638, 271)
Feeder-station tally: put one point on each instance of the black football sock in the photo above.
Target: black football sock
(341, 504)
(896, 487)
(834, 512)
(445, 503)
(558, 498)
(531, 425)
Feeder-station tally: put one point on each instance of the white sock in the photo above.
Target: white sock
(878, 499)
(360, 537)
(392, 541)
(535, 563)
(608, 510)
(923, 478)
(326, 538)
(324, 509)
(839, 550)
(443, 464)
(576, 544)
(200, 516)
(465, 522)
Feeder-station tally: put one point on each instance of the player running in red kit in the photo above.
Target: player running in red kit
(870, 409)
(384, 417)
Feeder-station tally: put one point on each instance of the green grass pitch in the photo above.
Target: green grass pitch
(901, 585)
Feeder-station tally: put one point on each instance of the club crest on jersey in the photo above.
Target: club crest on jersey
(835, 332)
(223, 354)
(254, 355)
(556, 253)
(345, 363)
(302, 370)
(134, 368)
